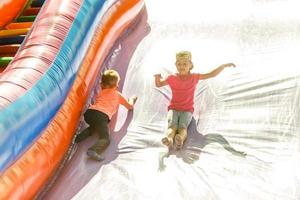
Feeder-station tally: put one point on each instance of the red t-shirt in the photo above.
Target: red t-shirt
(183, 90)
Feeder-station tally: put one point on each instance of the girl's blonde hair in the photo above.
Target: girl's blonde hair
(110, 78)
(184, 56)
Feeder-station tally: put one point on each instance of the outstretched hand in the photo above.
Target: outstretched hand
(229, 65)
(133, 99)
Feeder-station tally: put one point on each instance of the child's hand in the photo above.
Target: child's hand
(157, 75)
(132, 100)
(229, 65)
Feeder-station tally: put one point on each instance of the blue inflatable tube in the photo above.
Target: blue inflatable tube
(41, 102)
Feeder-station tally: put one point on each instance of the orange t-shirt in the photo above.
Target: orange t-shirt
(108, 101)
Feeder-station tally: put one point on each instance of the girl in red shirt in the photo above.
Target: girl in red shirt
(183, 85)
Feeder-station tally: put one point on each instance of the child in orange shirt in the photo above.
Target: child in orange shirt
(100, 113)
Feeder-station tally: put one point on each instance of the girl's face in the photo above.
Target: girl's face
(183, 66)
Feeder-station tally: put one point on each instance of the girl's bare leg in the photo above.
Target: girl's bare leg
(168, 140)
(180, 138)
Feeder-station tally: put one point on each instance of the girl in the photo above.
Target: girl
(183, 85)
(100, 113)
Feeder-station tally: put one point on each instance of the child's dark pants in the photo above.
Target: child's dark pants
(98, 123)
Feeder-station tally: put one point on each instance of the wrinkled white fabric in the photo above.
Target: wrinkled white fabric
(251, 109)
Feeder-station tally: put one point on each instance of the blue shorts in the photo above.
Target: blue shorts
(179, 119)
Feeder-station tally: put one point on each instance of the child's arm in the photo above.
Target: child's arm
(158, 81)
(128, 103)
(215, 72)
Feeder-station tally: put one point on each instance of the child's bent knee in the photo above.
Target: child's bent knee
(182, 129)
(173, 128)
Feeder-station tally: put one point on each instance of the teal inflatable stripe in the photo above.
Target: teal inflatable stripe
(23, 120)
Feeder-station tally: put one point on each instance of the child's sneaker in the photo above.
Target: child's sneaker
(100, 145)
(94, 155)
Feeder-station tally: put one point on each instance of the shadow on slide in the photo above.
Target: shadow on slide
(196, 142)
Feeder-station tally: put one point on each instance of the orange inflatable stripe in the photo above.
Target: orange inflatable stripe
(13, 32)
(26, 176)
(31, 11)
(7, 55)
(2, 69)
(12, 48)
(10, 10)
(19, 25)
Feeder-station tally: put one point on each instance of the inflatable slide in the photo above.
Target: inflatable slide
(243, 141)
(45, 87)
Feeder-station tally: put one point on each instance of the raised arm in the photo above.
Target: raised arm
(158, 81)
(215, 72)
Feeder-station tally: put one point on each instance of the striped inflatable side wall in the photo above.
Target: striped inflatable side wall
(59, 96)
